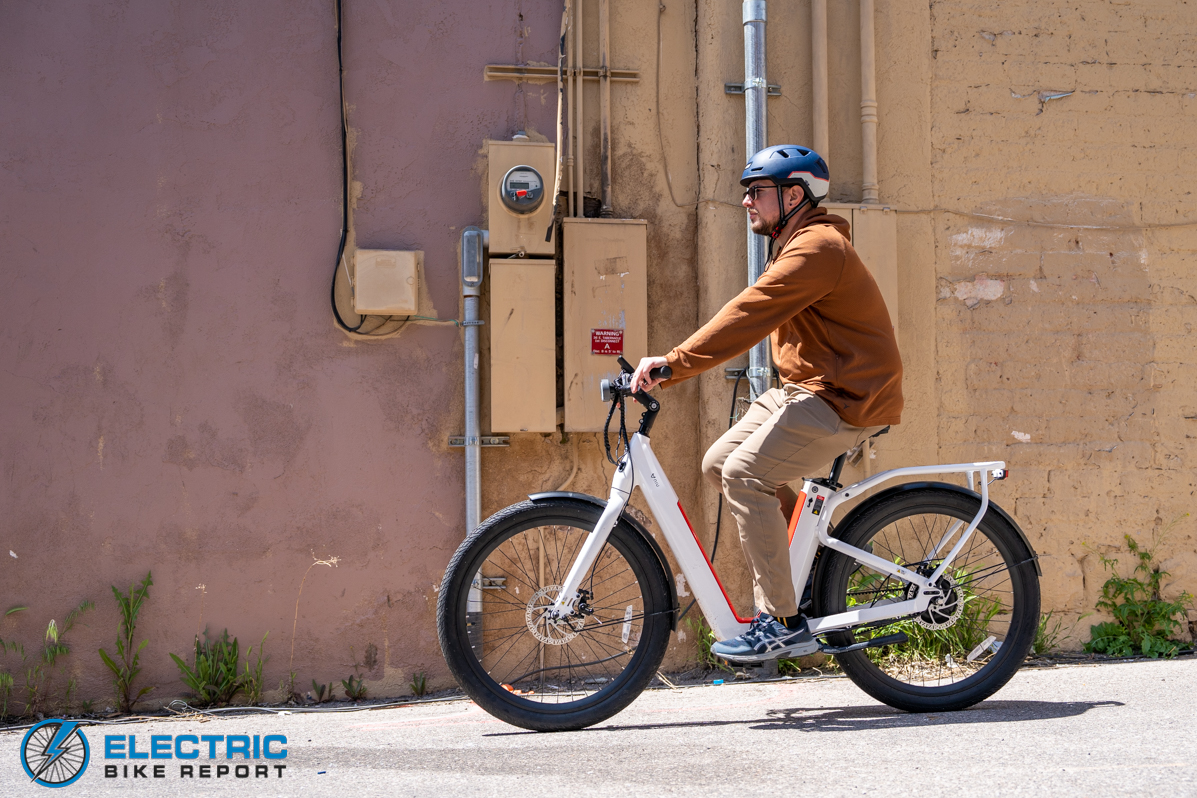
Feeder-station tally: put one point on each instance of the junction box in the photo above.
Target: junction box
(523, 345)
(605, 304)
(386, 282)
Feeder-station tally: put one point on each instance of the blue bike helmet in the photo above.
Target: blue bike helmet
(789, 165)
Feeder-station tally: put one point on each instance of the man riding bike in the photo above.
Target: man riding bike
(834, 347)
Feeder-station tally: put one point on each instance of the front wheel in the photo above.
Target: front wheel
(533, 671)
(970, 641)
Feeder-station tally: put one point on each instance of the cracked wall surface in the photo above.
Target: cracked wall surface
(1066, 303)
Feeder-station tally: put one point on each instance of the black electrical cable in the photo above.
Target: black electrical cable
(731, 422)
(344, 181)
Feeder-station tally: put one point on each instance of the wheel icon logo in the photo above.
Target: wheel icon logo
(54, 753)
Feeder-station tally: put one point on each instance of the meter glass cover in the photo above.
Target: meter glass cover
(522, 190)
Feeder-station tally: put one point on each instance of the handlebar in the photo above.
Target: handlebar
(621, 385)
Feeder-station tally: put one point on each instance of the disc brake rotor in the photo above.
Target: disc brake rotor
(946, 608)
(550, 631)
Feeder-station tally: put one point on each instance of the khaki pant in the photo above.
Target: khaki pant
(787, 434)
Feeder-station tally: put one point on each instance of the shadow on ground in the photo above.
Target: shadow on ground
(837, 719)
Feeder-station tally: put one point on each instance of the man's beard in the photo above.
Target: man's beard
(763, 227)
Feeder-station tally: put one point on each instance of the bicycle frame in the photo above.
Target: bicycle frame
(639, 467)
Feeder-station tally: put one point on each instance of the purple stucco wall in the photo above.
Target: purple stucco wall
(173, 393)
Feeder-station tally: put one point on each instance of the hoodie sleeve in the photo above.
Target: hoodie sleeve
(805, 272)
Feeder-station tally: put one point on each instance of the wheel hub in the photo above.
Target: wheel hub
(944, 609)
(545, 628)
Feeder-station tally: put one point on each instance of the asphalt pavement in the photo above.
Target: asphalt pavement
(1092, 730)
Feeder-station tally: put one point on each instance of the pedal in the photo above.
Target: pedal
(877, 642)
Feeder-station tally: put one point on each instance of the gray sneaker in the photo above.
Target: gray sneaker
(767, 638)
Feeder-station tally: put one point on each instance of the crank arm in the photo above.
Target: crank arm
(877, 642)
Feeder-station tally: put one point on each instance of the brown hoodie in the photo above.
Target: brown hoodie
(830, 330)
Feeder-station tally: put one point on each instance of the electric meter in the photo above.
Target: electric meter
(522, 190)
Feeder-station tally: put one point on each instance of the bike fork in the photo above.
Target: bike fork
(621, 491)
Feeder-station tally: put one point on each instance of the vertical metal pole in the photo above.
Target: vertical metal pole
(473, 246)
(819, 101)
(473, 252)
(868, 104)
(756, 93)
(579, 113)
(573, 133)
(605, 105)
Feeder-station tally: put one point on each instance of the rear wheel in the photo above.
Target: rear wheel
(969, 642)
(530, 670)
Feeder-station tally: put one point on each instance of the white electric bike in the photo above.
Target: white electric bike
(556, 612)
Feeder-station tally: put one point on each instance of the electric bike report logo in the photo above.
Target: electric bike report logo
(54, 753)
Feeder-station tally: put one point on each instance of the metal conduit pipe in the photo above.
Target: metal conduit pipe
(756, 91)
(605, 105)
(569, 160)
(868, 104)
(474, 243)
(819, 101)
(580, 162)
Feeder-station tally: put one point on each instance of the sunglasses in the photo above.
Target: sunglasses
(754, 193)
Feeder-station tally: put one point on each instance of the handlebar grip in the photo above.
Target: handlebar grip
(662, 373)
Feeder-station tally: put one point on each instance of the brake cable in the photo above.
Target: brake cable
(623, 430)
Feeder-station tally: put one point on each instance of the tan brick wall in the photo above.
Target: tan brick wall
(1064, 339)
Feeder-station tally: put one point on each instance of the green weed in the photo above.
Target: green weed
(39, 673)
(1144, 623)
(126, 667)
(704, 638)
(1048, 634)
(6, 684)
(419, 684)
(320, 689)
(287, 688)
(354, 689)
(252, 680)
(213, 676)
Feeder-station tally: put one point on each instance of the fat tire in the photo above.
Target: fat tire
(831, 582)
(625, 688)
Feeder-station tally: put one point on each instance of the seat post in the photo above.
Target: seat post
(836, 468)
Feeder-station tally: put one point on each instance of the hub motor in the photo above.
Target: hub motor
(944, 609)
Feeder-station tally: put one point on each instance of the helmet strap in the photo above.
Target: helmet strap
(785, 218)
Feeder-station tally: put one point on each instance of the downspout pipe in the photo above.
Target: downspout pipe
(756, 90)
(868, 104)
(474, 243)
(579, 114)
(819, 100)
(606, 211)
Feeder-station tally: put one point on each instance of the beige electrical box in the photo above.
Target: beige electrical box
(386, 282)
(523, 345)
(516, 228)
(875, 239)
(606, 310)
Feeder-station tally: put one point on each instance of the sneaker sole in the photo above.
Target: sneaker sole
(797, 650)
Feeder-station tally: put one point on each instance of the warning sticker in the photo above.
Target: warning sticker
(606, 342)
